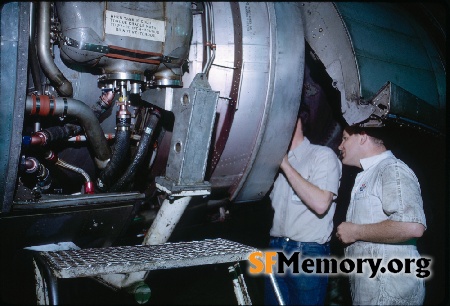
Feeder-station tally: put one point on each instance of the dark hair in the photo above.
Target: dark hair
(377, 133)
(354, 129)
(304, 115)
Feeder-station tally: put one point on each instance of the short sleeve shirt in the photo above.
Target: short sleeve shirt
(292, 218)
(386, 189)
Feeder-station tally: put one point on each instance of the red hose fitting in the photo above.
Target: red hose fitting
(51, 156)
(89, 187)
(39, 138)
(43, 105)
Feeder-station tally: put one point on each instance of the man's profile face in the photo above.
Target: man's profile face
(349, 149)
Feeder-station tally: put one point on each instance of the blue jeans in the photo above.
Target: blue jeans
(298, 288)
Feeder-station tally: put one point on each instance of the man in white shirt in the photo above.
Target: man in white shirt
(384, 218)
(303, 202)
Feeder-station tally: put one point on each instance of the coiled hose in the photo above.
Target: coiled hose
(141, 152)
(108, 175)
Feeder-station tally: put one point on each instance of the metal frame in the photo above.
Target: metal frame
(52, 265)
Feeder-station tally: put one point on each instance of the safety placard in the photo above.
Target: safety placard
(134, 26)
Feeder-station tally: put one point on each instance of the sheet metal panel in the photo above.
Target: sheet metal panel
(390, 46)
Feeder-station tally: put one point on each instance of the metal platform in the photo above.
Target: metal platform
(52, 265)
(127, 259)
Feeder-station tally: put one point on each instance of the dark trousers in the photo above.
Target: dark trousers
(298, 288)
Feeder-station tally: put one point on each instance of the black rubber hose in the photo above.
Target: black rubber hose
(103, 103)
(62, 132)
(68, 130)
(109, 174)
(141, 152)
(56, 106)
(92, 128)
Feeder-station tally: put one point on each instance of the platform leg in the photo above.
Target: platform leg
(46, 282)
(276, 289)
(41, 287)
(240, 288)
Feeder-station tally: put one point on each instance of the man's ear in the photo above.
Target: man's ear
(363, 138)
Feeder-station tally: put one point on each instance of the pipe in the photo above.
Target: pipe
(34, 63)
(103, 103)
(160, 231)
(63, 86)
(43, 105)
(123, 139)
(32, 166)
(141, 152)
(88, 185)
(53, 133)
(162, 227)
(166, 219)
(61, 132)
(210, 37)
(81, 138)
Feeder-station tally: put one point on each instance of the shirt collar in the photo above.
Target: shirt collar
(368, 162)
(300, 148)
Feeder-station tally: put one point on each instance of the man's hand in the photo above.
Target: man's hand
(348, 232)
(284, 162)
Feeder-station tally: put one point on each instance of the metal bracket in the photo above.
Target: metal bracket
(382, 101)
(195, 111)
(380, 106)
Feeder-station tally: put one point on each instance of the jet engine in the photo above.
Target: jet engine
(111, 108)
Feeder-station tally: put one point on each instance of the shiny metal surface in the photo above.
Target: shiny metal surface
(135, 27)
(195, 110)
(259, 86)
(256, 65)
(327, 35)
(251, 65)
(92, 262)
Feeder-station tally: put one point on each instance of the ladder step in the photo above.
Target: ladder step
(127, 259)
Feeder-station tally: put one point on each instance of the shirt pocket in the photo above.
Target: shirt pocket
(295, 199)
(305, 172)
(362, 212)
(359, 196)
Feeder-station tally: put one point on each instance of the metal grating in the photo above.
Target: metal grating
(127, 259)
